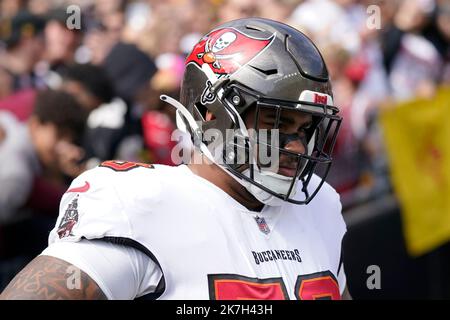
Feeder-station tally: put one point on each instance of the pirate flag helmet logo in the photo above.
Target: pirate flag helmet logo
(226, 50)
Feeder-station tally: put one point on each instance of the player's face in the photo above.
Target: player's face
(293, 129)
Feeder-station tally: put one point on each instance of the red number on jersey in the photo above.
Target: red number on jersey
(235, 287)
(317, 286)
(124, 165)
(320, 285)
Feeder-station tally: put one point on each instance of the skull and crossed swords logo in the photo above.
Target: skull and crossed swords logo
(212, 51)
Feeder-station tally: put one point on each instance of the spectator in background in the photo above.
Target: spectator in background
(237, 9)
(6, 84)
(442, 37)
(24, 40)
(61, 44)
(94, 90)
(9, 8)
(415, 66)
(97, 44)
(19, 104)
(158, 117)
(41, 7)
(408, 56)
(164, 32)
(130, 70)
(89, 84)
(110, 12)
(347, 152)
(327, 23)
(279, 10)
(104, 29)
(31, 149)
(22, 37)
(129, 67)
(195, 25)
(31, 181)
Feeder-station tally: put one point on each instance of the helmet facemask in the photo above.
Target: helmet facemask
(253, 155)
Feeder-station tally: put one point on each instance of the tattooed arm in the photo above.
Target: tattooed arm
(49, 278)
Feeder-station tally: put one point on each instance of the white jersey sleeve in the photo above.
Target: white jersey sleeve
(93, 231)
(121, 272)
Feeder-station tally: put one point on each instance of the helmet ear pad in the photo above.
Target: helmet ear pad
(218, 120)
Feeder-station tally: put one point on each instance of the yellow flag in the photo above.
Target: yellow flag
(417, 139)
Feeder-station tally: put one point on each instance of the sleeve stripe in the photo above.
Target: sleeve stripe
(136, 245)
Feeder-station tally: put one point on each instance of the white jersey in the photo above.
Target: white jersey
(206, 244)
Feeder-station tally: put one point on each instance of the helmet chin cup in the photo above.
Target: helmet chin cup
(265, 197)
(277, 183)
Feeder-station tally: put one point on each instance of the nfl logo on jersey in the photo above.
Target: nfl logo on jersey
(262, 225)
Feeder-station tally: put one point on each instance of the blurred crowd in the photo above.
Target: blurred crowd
(78, 90)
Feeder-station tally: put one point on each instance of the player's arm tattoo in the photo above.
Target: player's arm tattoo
(47, 278)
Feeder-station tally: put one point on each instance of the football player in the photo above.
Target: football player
(233, 223)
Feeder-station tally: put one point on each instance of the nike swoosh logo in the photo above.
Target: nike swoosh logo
(82, 189)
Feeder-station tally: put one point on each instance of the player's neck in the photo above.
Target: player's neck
(221, 179)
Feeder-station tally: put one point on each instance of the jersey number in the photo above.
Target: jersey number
(124, 165)
(320, 285)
